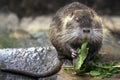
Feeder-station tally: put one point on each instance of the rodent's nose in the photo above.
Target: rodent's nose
(86, 30)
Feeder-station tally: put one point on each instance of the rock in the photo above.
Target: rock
(37, 24)
(38, 60)
(8, 22)
(42, 38)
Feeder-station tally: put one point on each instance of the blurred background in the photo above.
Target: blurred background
(43, 7)
(24, 23)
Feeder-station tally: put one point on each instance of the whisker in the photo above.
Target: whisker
(97, 36)
(65, 36)
(97, 29)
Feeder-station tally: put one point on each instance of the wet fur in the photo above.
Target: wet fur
(63, 30)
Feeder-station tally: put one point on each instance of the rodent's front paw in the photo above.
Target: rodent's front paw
(74, 53)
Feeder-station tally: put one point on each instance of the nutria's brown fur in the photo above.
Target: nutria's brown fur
(70, 26)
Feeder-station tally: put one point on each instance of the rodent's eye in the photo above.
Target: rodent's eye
(96, 26)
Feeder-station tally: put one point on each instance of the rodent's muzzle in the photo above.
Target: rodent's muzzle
(86, 33)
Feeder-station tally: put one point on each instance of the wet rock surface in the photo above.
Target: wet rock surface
(37, 60)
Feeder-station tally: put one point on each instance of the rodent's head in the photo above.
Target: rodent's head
(81, 25)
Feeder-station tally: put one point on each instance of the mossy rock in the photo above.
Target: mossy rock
(7, 42)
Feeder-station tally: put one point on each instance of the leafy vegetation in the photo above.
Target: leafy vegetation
(100, 69)
(82, 54)
(94, 68)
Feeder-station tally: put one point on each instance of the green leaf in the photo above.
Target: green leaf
(68, 68)
(81, 56)
(94, 73)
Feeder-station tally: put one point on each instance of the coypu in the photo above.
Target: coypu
(71, 25)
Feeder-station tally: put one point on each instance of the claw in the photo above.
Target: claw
(74, 53)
